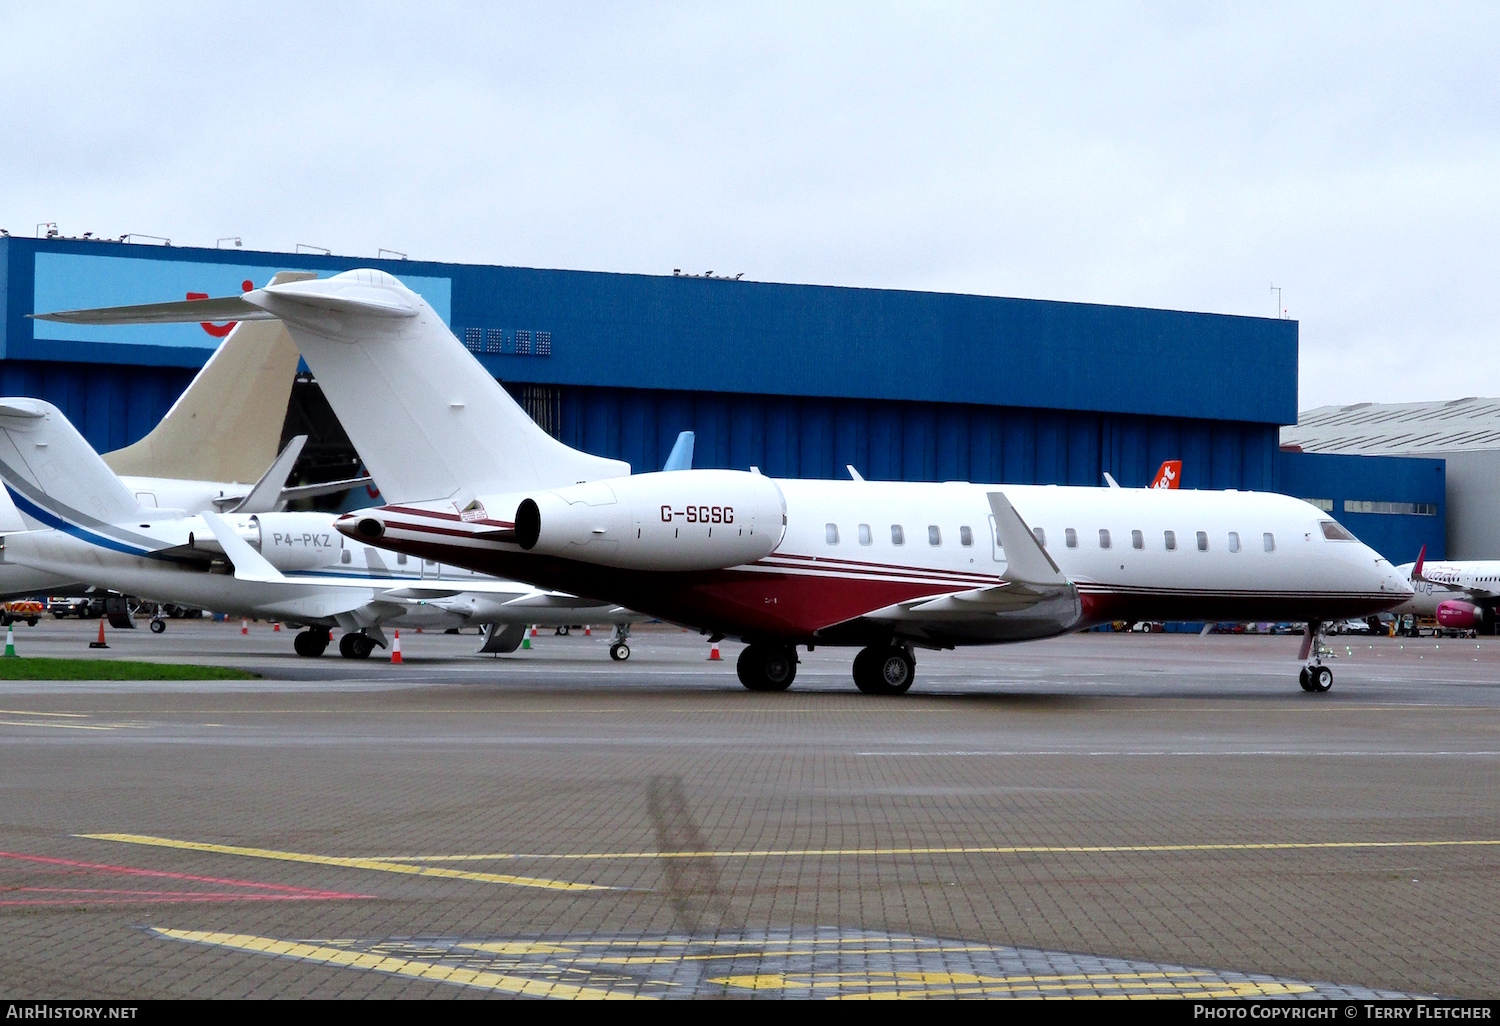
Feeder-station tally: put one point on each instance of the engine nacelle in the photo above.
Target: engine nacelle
(292, 541)
(1460, 615)
(681, 520)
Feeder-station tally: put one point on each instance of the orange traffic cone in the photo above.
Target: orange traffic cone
(101, 642)
(396, 649)
(276, 627)
(588, 631)
(533, 630)
(244, 626)
(713, 653)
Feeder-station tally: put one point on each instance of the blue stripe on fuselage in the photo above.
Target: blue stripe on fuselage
(83, 534)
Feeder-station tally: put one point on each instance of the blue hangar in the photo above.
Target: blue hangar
(799, 380)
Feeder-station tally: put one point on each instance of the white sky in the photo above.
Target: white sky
(1156, 155)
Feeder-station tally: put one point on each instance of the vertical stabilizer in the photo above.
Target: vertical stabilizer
(227, 425)
(428, 420)
(53, 473)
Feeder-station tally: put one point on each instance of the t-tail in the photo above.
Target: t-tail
(52, 473)
(431, 422)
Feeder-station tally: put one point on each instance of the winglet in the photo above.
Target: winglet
(1110, 480)
(1416, 569)
(266, 495)
(681, 457)
(854, 475)
(249, 565)
(1026, 562)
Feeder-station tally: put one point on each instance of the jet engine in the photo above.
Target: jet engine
(292, 541)
(1460, 615)
(682, 520)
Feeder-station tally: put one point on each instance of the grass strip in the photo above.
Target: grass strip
(113, 669)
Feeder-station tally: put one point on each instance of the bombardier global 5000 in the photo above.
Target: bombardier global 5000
(885, 567)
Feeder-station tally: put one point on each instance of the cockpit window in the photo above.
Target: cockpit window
(1335, 531)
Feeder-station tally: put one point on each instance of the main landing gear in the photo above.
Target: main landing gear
(356, 646)
(618, 650)
(767, 666)
(312, 642)
(884, 670)
(1315, 676)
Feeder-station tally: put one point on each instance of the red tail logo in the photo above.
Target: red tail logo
(1169, 476)
(220, 330)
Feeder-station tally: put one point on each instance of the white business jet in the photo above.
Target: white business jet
(91, 529)
(216, 448)
(886, 567)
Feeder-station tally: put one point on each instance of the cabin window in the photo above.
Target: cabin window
(1335, 531)
(1234, 541)
(345, 556)
(965, 536)
(1070, 536)
(1103, 538)
(831, 532)
(1137, 540)
(401, 558)
(1170, 537)
(934, 536)
(1269, 541)
(1040, 535)
(865, 538)
(898, 535)
(1202, 541)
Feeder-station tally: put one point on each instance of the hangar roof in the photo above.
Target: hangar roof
(1404, 429)
(587, 328)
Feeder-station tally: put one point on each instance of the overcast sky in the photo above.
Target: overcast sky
(1183, 156)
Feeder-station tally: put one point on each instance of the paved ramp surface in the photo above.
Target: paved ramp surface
(1117, 816)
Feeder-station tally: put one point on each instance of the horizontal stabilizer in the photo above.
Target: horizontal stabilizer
(190, 311)
(312, 491)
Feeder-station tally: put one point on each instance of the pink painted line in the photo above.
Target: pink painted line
(221, 881)
(184, 897)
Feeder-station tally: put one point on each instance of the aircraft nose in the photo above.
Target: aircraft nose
(1393, 580)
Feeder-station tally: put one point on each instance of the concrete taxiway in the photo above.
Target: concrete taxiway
(1100, 815)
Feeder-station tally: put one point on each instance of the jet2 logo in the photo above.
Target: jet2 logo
(699, 514)
(306, 539)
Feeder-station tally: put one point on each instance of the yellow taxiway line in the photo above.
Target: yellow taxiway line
(1035, 849)
(381, 865)
(322, 955)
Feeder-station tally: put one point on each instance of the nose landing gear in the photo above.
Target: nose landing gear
(618, 650)
(1315, 677)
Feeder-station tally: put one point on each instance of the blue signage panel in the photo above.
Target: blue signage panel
(71, 281)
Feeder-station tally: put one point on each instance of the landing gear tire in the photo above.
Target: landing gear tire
(311, 642)
(563, 632)
(356, 646)
(767, 667)
(158, 626)
(1318, 678)
(619, 651)
(884, 670)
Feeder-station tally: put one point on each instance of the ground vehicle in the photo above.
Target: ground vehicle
(29, 610)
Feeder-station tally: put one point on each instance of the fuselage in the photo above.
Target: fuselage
(1469, 580)
(850, 551)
